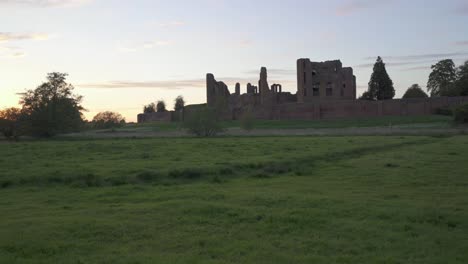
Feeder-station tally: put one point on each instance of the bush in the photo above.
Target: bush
(461, 114)
(247, 120)
(415, 91)
(10, 122)
(444, 111)
(203, 122)
(105, 120)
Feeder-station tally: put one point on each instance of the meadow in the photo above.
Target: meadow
(366, 199)
(432, 121)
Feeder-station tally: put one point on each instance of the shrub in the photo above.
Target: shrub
(444, 111)
(105, 120)
(247, 120)
(203, 122)
(415, 91)
(461, 114)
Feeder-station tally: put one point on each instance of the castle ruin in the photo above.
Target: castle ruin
(324, 90)
(317, 81)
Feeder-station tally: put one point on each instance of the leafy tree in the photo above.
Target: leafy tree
(380, 84)
(52, 107)
(203, 122)
(462, 79)
(366, 96)
(108, 119)
(9, 122)
(179, 103)
(161, 106)
(442, 78)
(150, 108)
(415, 91)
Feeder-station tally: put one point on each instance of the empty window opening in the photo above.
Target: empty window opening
(316, 89)
(329, 90)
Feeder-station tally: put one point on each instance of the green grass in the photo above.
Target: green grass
(436, 121)
(235, 200)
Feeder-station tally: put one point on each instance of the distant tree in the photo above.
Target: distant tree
(179, 103)
(415, 91)
(366, 96)
(150, 108)
(52, 107)
(161, 106)
(442, 78)
(462, 79)
(9, 122)
(203, 122)
(108, 119)
(380, 84)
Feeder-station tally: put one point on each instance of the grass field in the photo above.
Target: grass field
(437, 121)
(235, 200)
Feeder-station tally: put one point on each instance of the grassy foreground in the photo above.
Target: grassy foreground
(434, 121)
(235, 200)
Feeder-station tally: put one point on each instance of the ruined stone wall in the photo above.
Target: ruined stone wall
(319, 81)
(156, 117)
(360, 108)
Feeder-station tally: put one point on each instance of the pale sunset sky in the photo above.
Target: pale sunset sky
(121, 55)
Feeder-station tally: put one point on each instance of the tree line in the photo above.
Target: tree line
(160, 106)
(52, 108)
(445, 80)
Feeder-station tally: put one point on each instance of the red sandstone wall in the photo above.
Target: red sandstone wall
(155, 117)
(358, 108)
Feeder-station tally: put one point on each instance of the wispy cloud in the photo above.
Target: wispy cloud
(413, 62)
(461, 9)
(422, 56)
(144, 45)
(461, 43)
(417, 68)
(11, 52)
(170, 24)
(173, 84)
(44, 3)
(7, 36)
(273, 72)
(352, 6)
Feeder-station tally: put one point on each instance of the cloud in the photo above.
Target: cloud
(421, 56)
(418, 68)
(173, 84)
(462, 9)
(44, 3)
(273, 72)
(7, 36)
(461, 43)
(415, 61)
(353, 6)
(11, 52)
(171, 24)
(144, 45)
(176, 84)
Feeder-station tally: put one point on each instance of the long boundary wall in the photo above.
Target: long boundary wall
(360, 108)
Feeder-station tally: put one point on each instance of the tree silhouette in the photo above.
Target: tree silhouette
(380, 84)
(442, 78)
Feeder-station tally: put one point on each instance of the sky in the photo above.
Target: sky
(121, 55)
